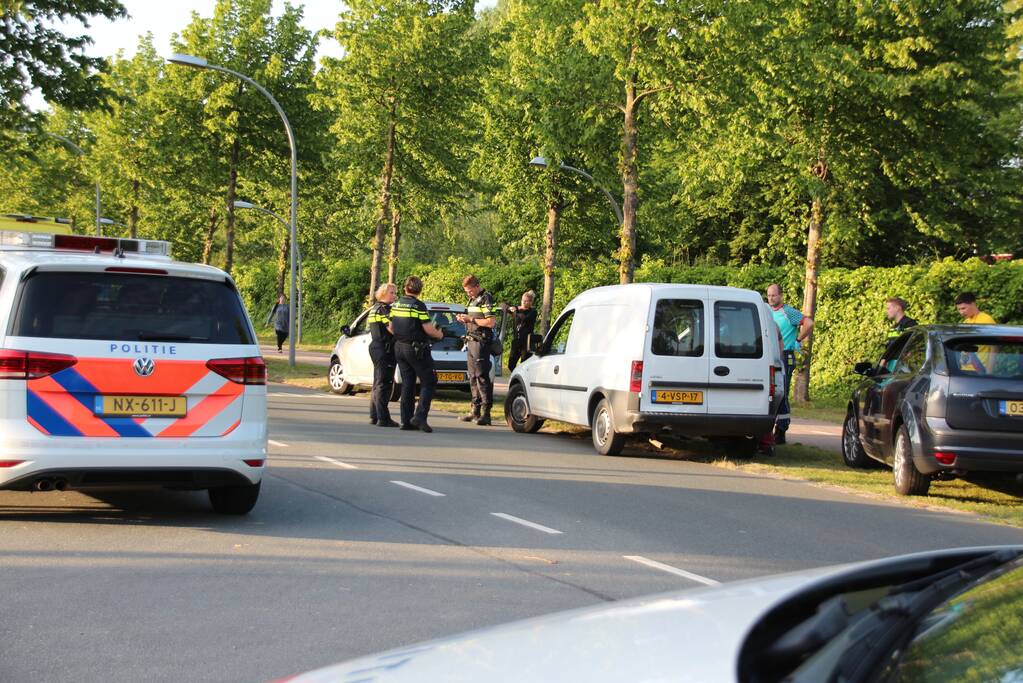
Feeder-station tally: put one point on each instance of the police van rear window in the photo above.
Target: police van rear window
(129, 307)
(737, 330)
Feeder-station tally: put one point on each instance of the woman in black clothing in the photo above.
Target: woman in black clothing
(525, 321)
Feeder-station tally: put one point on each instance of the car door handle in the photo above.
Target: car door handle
(721, 371)
(556, 368)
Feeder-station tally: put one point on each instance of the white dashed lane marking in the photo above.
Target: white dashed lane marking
(654, 564)
(525, 522)
(420, 489)
(332, 461)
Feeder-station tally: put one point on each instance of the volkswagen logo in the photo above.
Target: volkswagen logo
(144, 367)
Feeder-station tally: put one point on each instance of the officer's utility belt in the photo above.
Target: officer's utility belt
(420, 348)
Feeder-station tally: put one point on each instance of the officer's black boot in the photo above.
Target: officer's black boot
(472, 416)
(484, 418)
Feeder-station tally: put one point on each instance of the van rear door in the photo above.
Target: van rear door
(740, 367)
(676, 361)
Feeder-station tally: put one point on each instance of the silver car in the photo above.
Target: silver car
(351, 367)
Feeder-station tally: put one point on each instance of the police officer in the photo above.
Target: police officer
(381, 351)
(895, 310)
(412, 330)
(479, 327)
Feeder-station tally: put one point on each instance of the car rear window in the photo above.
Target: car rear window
(737, 330)
(678, 328)
(999, 357)
(452, 329)
(130, 307)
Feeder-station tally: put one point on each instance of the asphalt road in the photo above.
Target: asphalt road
(367, 538)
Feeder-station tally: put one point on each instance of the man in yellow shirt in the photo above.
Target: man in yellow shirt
(966, 304)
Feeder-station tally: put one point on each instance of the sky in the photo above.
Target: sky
(164, 17)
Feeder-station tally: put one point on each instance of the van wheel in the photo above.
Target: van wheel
(909, 481)
(605, 439)
(234, 500)
(336, 377)
(852, 450)
(743, 446)
(516, 412)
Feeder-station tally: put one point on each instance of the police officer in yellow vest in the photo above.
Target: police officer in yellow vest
(412, 330)
(479, 331)
(381, 351)
(895, 310)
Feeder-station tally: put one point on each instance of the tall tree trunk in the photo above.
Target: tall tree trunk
(211, 231)
(283, 263)
(392, 260)
(384, 214)
(232, 194)
(630, 185)
(549, 254)
(801, 391)
(133, 214)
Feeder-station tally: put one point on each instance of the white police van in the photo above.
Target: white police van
(121, 368)
(694, 359)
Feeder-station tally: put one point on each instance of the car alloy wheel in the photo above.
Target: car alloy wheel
(909, 481)
(336, 378)
(852, 451)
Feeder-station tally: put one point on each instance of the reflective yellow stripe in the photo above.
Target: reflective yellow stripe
(377, 318)
(409, 312)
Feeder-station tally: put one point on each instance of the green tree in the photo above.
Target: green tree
(36, 54)
(401, 98)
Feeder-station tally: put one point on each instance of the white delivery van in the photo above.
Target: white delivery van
(640, 358)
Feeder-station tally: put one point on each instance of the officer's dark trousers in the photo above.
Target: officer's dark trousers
(410, 367)
(383, 382)
(480, 386)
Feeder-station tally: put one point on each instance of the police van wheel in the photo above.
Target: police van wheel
(516, 411)
(234, 500)
(605, 439)
(336, 377)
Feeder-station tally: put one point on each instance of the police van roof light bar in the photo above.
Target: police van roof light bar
(96, 245)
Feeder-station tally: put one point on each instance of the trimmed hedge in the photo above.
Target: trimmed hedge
(850, 321)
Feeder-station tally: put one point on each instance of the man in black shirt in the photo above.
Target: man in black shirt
(412, 330)
(895, 310)
(381, 351)
(525, 322)
(479, 332)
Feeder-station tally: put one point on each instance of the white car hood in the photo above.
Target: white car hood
(690, 635)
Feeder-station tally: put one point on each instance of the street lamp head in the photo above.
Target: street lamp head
(188, 60)
(539, 162)
(239, 204)
(106, 221)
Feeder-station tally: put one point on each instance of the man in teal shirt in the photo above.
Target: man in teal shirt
(794, 327)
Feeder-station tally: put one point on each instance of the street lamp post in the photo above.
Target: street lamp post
(300, 308)
(81, 152)
(541, 162)
(200, 63)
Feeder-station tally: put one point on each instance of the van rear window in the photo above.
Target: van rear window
(737, 330)
(678, 328)
(130, 307)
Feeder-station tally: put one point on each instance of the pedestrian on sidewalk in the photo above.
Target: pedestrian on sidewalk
(280, 314)
(524, 322)
(794, 327)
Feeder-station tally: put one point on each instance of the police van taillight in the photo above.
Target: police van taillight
(240, 370)
(636, 377)
(32, 365)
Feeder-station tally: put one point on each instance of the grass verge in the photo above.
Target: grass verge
(825, 411)
(268, 338)
(306, 375)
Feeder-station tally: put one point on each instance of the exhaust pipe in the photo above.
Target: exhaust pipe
(60, 484)
(43, 485)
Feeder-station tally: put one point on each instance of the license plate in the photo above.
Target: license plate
(1011, 408)
(141, 406)
(684, 397)
(451, 377)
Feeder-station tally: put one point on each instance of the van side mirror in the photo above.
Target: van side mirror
(346, 331)
(534, 344)
(865, 368)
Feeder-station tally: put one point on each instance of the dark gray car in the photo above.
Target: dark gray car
(942, 402)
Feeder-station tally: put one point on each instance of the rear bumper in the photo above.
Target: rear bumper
(975, 451)
(185, 479)
(705, 425)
